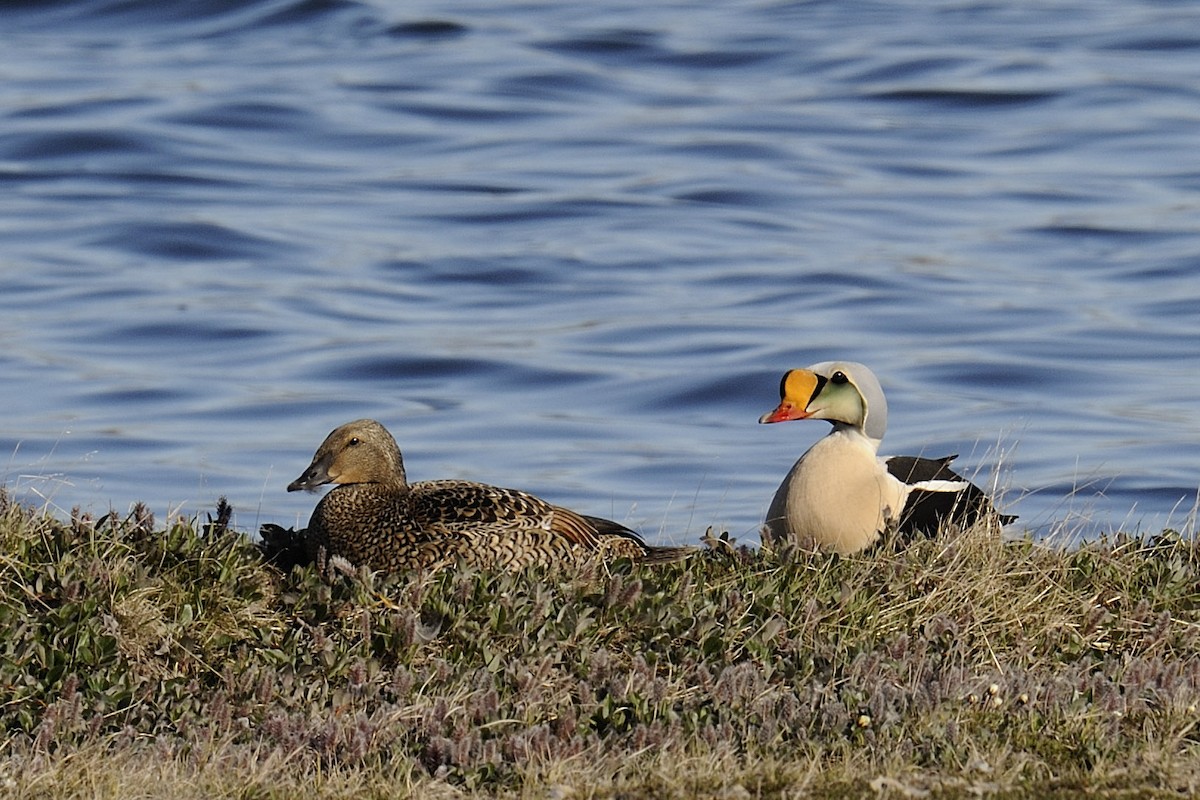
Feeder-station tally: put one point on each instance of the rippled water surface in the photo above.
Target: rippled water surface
(572, 247)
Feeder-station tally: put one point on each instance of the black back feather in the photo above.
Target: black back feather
(926, 512)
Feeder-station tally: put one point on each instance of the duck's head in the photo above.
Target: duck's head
(358, 452)
(845, 393)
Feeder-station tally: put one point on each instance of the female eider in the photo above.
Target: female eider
(374, 517)
(841, 495)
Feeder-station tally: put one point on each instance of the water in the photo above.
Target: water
(572, 247)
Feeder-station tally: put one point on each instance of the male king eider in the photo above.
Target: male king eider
(374, 517)
(840, 495)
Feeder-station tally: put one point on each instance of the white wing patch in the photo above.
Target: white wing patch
(939, 486)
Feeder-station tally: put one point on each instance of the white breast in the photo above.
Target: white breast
(839, 496)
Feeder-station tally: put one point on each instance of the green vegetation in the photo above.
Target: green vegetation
(142, 662)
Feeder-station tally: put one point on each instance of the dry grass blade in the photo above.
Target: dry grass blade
(178, 662)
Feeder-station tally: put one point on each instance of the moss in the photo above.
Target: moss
(177, 661)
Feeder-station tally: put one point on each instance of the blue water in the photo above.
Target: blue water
(571, 248)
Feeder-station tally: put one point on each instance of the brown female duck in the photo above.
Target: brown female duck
(375, 517)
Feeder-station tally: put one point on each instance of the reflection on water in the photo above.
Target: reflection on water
(571, 249)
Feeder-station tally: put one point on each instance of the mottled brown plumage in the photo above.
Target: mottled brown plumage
(374, 517)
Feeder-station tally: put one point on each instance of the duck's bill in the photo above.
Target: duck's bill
(315, 476)
(783, 413)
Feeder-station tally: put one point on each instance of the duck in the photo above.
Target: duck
(841, 496)
(374, 517)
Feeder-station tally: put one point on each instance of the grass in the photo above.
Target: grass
(143, 662)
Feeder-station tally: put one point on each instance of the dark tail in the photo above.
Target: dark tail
(666, 555)
(650, 553)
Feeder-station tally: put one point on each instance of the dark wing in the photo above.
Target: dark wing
(606, 527)
(913, 469)
(926, 511)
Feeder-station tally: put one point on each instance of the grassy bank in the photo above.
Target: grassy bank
(143, 662)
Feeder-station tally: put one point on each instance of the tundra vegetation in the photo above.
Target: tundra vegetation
(176, 661)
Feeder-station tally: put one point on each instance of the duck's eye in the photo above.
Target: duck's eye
(839, 377)
(354, 441)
